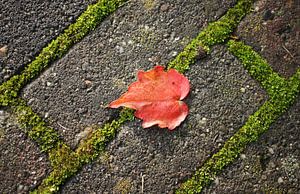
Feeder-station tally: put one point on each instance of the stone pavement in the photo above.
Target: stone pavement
(242, 131)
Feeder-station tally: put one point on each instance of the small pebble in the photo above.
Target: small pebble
(120, 49)
(271, 151)
(174, 53)
(176, 39)
(26, 188)
(201, 53)
(123, 43)
(203, 121)
(48, 84)
(217, 181)
(280, 180)
(243, 156)
(20, 188)
(243, 90)
(164, 7)
(88, 83)
(83, 134)
(130, 42)
(268, 15)
(3, 51)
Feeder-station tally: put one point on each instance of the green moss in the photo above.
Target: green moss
(34, 126)
(58, 47)
(282, 95)
(93, 146)
(215, 33)
(123, 186)
(64, 161)
(65, 164)
(149, 4)
(257, 67)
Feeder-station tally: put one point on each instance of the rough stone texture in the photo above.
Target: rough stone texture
(22, 165)
(273, 30)
(222, 97)
(27, 26)
(74, 92)
(271, 165)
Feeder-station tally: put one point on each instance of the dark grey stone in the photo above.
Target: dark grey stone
(22, 165)
(27, 26)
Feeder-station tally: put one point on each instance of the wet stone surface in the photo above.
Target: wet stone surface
(74, 92)
(22, 165)
(27, 26)
(222, 97)
(270, 165)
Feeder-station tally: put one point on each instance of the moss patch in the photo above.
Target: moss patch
(95, 145)
(215, 33)
(66, 163)
(257, 67)
(34, 126)
(123, 186)
(282, 95)
(86, 22)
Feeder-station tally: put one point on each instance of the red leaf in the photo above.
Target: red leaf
(156, 97)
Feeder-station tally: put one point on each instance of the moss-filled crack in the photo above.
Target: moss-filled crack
(91, 148)
(66, 163)
(215, 33)
(282, 95)
(258, 68)
(86, 22)
(34, 126)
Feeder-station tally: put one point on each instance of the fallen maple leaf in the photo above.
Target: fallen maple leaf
(157, 98)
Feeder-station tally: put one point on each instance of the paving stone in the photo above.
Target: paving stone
(270, 165)
(159, 160)
(74, 92)
(27, 26)
(22, 165)
(273, 30)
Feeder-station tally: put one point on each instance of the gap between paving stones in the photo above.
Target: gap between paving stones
(282, 94)
(216, 32)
